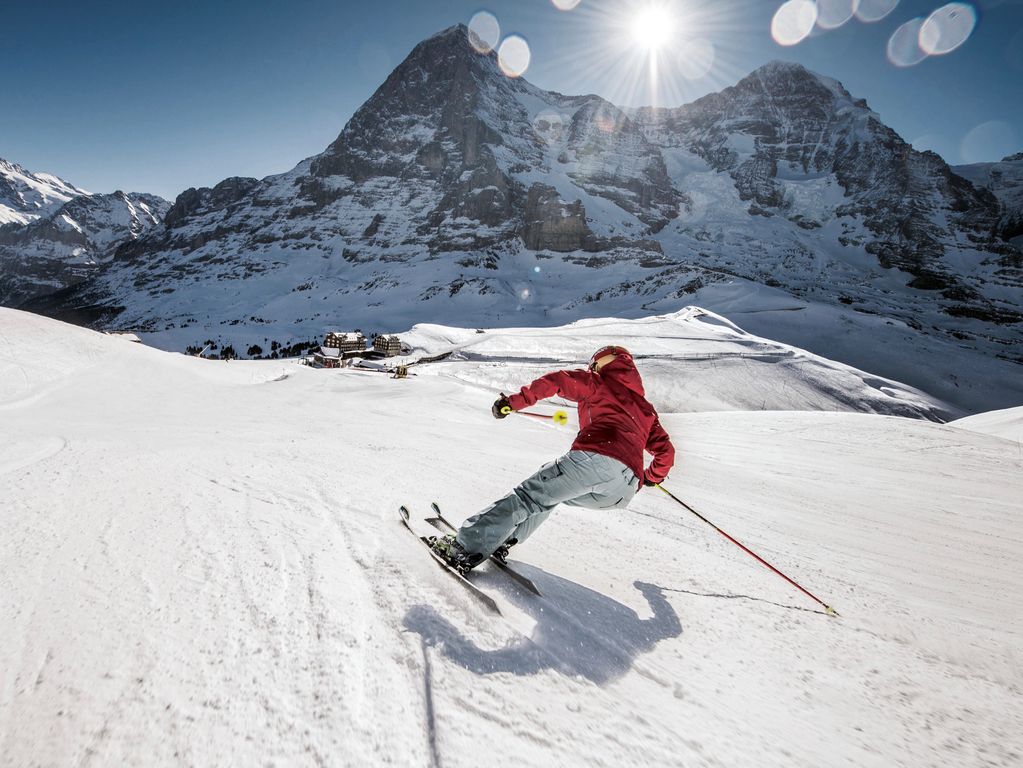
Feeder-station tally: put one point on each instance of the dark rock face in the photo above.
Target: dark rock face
(553, 225)
(616, 161)
(1004, 180)
(205, 200)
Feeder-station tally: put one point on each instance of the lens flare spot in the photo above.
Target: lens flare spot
(874, 10)
(524, 294)
(832, 14)
(484, 32)
(947, 28)
(513, 56)
(988, 141)
(565, 5)
(695, 58)
(536, 269)
(903, 46)
(793, 21)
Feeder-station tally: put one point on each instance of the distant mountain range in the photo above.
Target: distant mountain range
(456, 194)
(54, 235)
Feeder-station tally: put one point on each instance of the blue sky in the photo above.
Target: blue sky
(163, 96)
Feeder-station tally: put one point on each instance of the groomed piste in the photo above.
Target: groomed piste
(201, 563)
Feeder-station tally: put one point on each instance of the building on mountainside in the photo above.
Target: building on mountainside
(388, 346)
(330, 357)
(346, 342)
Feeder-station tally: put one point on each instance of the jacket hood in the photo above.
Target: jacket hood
(622, 371)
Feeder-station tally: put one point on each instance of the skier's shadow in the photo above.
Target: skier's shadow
(578, 633)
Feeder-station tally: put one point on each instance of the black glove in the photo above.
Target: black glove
(499, 406)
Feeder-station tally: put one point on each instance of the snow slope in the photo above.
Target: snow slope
(693, 360)
(201, 564)
(1007, 423)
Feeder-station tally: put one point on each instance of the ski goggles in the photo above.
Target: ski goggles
(605, 351)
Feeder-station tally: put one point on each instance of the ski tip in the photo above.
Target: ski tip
(831, 611)
(403, 510)
(434, 507)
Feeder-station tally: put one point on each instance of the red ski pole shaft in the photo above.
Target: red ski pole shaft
(558, 417)
(831, 611)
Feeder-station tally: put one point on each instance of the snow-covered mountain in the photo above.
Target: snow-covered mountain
(71, 241)
(459, 195)
(1005, 180)
(201, 563)
(27, 196)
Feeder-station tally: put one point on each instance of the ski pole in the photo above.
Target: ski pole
(558, 417)
(830, 611)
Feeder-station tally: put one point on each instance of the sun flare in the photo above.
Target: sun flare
(652, 27)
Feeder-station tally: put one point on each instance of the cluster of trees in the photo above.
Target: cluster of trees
(209, 349)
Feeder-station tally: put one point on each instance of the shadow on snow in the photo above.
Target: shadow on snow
(579, 632)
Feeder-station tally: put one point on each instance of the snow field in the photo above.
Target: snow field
(202, 564)
(1007, 423)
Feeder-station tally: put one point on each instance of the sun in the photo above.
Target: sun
(652, 28)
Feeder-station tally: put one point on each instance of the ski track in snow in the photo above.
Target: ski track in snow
(206, 567)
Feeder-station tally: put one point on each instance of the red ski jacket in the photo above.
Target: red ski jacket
(615, 418)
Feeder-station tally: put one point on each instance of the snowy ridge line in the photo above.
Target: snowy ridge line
(680, 374)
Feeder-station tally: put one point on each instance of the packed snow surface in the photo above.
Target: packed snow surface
(201, 563)
(1007, 423)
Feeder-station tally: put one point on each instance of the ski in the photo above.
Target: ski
(475, 591)
(442, 524)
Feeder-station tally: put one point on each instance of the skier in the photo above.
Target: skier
(602, 470)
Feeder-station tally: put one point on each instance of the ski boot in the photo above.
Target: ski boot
(501, 553)
(452, 553)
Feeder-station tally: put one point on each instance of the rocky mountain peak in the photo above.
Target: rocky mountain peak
(26, 196)
(789, 90)
(437, 86)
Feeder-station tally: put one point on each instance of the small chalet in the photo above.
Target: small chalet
(329, 357)
(388, 346)
(345, 342)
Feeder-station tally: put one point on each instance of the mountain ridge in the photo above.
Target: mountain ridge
(456, 191)
(54, 235)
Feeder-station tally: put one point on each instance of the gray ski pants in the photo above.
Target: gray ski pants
(579, 478)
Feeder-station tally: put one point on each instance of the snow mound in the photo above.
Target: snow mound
(38, 354)
(691, 360)
(1007, 423)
